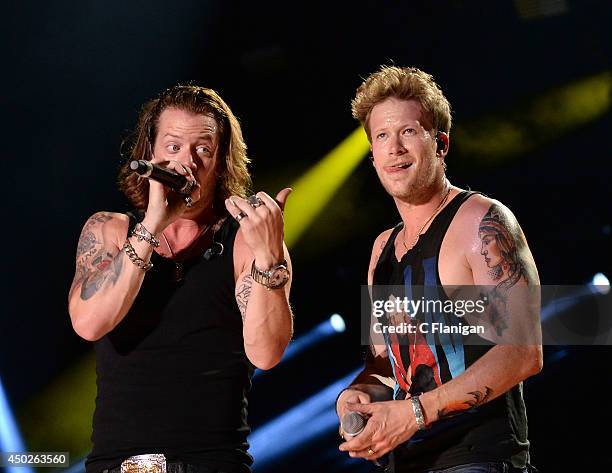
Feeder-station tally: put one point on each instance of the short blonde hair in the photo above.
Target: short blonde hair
(233, 174)
(403, 83)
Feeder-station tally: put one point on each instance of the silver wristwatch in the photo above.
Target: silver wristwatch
(273, 278)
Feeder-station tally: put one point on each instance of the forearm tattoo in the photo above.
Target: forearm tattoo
(95, 264)
(477, 398)
(243, 293)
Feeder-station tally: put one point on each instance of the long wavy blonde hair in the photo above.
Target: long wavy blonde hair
(233, 175)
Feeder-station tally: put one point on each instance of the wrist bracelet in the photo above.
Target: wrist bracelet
(134, 258)
(418, 412)
(141, 233)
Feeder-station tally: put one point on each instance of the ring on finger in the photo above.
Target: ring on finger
(371, 452)
(240, 216)
(255, 201)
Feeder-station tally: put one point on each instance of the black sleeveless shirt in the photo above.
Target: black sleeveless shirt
(173, 375)
(494, 431)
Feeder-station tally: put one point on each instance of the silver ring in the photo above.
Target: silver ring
(255, 201)
(188, 202)
(240, 216)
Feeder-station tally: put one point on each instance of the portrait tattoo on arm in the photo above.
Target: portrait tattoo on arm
(501, 242)
(243, 292)
(499, 248)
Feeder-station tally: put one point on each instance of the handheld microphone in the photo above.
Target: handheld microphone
(353, 424)
(167, 177)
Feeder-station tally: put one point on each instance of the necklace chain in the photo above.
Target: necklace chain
(178, 265)
(418, 235)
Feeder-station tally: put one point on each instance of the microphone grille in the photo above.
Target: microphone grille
(353, 423)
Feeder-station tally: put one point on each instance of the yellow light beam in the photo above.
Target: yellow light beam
(495, 138)
(59, 419)
(315, 189)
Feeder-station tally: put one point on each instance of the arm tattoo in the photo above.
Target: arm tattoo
(243, 293)
(499, 248)
(87, 240)
(478, 398)
(501, 242)
(106, 267)
(91, 275)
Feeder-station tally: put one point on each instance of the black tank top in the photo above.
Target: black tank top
(495, 431)
(173, 375)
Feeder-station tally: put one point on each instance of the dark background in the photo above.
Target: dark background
(76, 73)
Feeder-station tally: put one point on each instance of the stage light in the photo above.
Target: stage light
(298, 425)
(332, 326)
(337, 322)
(10, 438)
(319, 184)
(600, 284)
(496, 137)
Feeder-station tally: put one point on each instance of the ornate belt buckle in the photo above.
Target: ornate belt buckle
(150, 463)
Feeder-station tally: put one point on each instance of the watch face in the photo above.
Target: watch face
(279, 277)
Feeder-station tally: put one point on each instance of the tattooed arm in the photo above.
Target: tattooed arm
(105, 282)
(266, 314)
(503, 268)
(497, 371)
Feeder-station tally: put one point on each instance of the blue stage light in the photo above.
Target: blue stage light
(332, 326)
(10, 438)
(298, 425)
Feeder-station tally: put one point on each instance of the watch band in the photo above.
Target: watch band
(418, 412)
(263, 277)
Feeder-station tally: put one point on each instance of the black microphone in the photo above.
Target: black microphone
(167, 177)
(353, 424)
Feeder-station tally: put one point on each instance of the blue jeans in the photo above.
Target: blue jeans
(489, 467)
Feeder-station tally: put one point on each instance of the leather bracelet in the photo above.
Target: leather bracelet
(134, 258)
(418, 412)
(141, 233)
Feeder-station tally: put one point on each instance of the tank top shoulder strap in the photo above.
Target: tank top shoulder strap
(436, 231)
(389, 248)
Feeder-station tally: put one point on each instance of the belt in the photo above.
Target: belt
(156, 463)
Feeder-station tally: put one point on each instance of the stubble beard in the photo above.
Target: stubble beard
(427, 183)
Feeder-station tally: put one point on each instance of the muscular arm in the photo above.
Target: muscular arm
(501, 368)
(500, 260)
(266, 315)
(105, 282)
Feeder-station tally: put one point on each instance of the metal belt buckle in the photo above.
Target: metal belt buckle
(150, 463)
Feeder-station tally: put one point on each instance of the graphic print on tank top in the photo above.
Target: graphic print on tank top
(422, 361)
